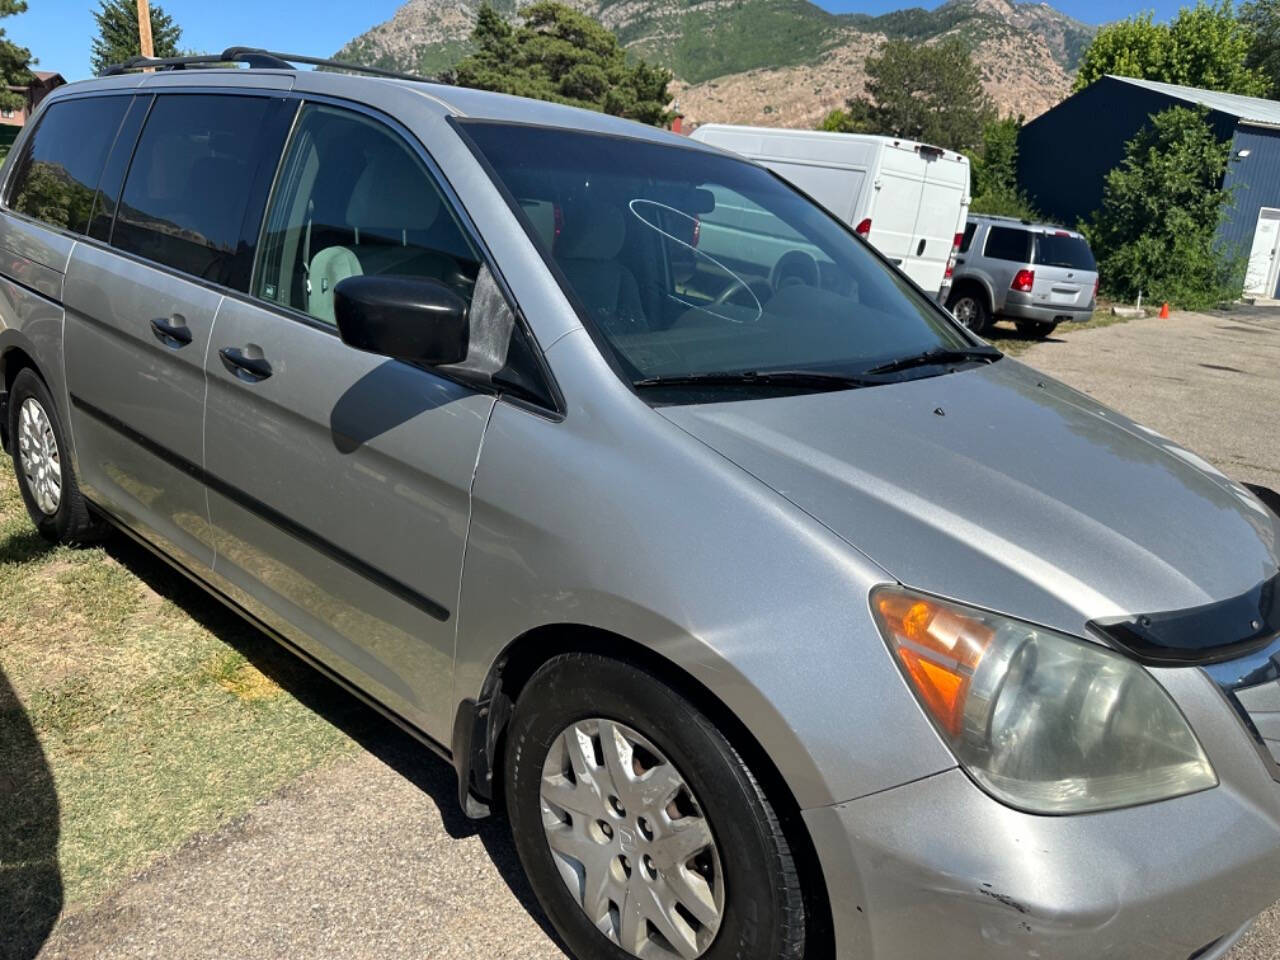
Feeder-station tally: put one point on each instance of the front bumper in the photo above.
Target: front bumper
(936, 868)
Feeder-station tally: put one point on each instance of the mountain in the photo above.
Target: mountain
(776, 62)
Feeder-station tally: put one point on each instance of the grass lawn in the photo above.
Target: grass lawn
(1008, 339)
(134, 711)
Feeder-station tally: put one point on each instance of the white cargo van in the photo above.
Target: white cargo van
(909, 199)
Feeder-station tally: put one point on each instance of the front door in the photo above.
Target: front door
(1260, 276)
(340, 482)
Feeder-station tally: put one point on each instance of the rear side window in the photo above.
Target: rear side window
(189, 186)
(1064, 250)
(1007, 243)
(969, 230)
(57, 175)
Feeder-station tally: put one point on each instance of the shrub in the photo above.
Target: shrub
(1161, 208)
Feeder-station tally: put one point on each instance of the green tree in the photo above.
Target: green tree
(1160, 213)
(561, 55)
(15, 61)
(1263, 18)
(995, 172)
(118, 40)
(1205, 46)
(931, 92)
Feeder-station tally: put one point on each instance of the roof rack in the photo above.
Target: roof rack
(1002, 217)
(253, 58)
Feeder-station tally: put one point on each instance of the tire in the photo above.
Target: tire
(748, 865)
(970, 310)
(1035, 328)
(55, 506)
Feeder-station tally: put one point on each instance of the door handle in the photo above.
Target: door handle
(173, 332)
(248, 369)
(920, 248)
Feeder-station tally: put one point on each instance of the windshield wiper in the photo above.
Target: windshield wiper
(817, 379)
(939, 355)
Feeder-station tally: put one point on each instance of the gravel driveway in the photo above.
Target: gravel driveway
(371, 858)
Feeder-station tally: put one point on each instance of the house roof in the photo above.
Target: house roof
(46, 75)
(1247, 109)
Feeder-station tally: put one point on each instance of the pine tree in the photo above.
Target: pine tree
(117, 38)
(15, 61)
(557, 53)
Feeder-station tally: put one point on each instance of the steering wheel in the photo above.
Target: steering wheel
(762, 290)
(795, 266)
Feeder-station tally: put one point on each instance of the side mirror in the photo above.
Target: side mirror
(407, 318)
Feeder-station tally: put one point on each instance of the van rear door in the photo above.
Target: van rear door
(895, 206)
(944, 203)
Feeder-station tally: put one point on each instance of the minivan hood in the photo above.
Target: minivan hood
(1000, 487)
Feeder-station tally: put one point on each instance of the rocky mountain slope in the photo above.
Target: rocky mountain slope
(776, 62)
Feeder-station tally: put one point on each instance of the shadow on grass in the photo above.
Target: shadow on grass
(379, 736)
(24, 545)
(30, 879)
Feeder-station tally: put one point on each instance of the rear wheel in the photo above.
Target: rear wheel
(970, 310)
(642, 830)
(1036, 328)
(45, 477)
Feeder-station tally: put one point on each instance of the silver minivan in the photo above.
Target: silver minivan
(781, 616)
(1036, 274)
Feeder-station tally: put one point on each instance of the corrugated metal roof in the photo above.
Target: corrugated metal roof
(1248, 109)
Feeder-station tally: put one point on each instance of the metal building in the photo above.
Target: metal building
(1064, 155)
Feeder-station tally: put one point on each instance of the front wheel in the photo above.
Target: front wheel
(970, 310)
(643, 832)
(1035, 328)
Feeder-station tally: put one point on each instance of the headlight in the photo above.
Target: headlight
(1041, 721)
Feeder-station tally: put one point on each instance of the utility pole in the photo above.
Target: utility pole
(144, 29)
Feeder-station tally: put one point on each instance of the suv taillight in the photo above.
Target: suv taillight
(863, 228)
(1096, 281)
(1023, 281)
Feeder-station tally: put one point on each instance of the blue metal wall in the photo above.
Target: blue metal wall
(1064, 155)
(1254, 181)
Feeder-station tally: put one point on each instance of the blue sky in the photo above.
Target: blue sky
(58, 31)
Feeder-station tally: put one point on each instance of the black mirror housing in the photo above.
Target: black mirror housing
(408, 318)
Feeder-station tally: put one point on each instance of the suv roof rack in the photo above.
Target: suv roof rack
(253, 58)
(1002, 217)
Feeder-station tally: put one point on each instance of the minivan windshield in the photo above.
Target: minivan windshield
(1063, 250)
(692, 265)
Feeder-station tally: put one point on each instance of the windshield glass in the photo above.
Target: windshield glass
(690, 262)
(1063, 250)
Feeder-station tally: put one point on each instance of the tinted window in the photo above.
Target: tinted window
(112, 179)
(354, 199)
(189, 185)
(685, 261)
(1006, 243)
(57, 175)
(1063, 250)
(969, 230)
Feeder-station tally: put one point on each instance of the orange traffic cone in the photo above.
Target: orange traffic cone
(1164, 311)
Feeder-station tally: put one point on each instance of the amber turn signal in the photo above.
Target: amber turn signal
(939, 649)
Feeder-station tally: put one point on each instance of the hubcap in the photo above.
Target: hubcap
(966, 311)
(630, 841)
(39, 457)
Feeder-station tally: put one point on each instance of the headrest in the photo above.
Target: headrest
(393, 193)
(592, 232)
